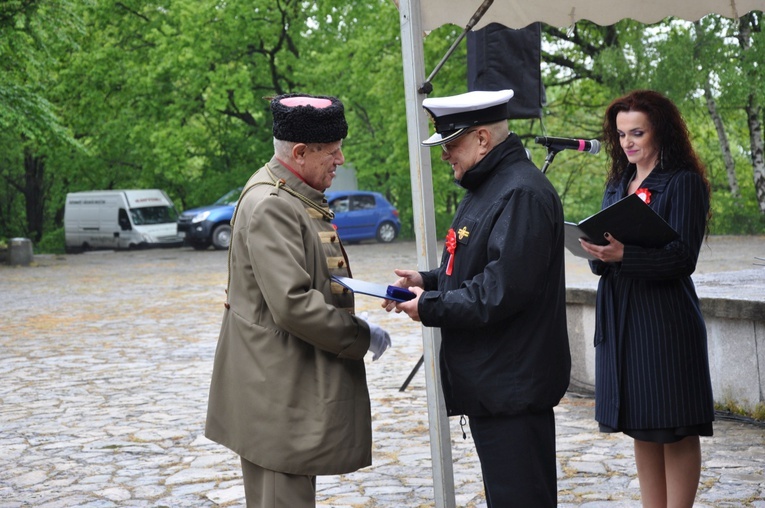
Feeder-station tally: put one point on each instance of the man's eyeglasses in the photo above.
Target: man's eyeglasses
(448, 146)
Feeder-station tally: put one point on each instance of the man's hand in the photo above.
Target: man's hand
(411, 308)
(407, 279)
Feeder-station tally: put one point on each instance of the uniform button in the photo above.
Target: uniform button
(340, 264)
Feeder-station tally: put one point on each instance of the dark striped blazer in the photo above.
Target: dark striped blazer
(652, 367)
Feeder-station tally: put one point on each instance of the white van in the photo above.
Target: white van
(119, 219)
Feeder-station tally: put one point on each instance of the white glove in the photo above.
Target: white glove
(379, 341)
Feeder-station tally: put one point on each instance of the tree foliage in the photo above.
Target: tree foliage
(705, 69)
(97, 94)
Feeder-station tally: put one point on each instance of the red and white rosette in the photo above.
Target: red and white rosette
(644, 194)
(451, 247)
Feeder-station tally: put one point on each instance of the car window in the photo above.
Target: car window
(153, 215)
(339, 205)
(229, 198)
(362, 202)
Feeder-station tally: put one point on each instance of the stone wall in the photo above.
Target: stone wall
(733, 304)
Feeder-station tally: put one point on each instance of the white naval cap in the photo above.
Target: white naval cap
(453, 115)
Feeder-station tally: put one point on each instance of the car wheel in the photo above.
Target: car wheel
(386, 232)
(221, 237)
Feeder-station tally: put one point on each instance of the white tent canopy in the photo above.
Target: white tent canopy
(421, 16)
(521, 13)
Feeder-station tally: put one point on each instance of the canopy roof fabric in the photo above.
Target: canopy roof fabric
(560, 13)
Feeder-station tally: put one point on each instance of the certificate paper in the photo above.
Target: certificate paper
(394, 293)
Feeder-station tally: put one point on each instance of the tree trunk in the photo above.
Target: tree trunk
(730, 165)
(34, 193)
(753, 115)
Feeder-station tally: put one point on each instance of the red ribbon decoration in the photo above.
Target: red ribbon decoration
(451, 246)
(644, 194)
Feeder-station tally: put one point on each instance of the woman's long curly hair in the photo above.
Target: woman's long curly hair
(670, 132)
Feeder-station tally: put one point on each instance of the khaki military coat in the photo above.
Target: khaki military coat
(288, 389)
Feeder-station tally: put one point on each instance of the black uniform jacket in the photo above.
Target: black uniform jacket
(502, 311)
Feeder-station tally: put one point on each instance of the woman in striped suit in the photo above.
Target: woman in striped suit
(652, 368)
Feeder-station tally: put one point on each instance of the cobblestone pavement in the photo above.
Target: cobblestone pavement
(105, 361)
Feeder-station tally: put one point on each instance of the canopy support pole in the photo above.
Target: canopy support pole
(424, 222)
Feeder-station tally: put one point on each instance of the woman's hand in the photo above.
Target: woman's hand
(613, 252)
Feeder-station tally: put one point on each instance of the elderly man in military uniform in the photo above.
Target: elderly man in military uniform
(288, 391)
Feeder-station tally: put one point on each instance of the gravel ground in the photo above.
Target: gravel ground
(106, 357)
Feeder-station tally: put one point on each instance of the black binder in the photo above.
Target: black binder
(629, 220)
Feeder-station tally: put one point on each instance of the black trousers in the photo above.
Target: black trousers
(517, 455)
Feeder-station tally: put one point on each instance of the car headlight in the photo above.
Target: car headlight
(202, 216)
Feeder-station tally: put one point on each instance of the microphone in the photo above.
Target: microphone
(557, 144)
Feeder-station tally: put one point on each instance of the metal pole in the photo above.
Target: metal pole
(411, 374)
(424, 221)
(427, 87)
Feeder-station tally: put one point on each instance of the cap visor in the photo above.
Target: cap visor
(438, 139)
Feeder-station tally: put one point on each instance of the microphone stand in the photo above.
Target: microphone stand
(551, 153)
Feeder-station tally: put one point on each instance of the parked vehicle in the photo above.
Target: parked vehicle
(211, 224)
(363, 215)
(119, 219)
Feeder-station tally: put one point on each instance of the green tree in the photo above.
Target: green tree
(170, 94)
(33, 36)
(710, 72)
(354, 52)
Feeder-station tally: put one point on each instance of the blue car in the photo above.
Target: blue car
(211, 224)
(363, 215)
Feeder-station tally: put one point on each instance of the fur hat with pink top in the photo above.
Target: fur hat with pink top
(305, 118)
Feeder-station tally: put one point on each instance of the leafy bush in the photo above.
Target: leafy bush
(731, 216)
(52, 242)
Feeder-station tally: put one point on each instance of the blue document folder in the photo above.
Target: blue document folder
(394, 293)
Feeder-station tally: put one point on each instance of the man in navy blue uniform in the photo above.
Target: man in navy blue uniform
(499, 298)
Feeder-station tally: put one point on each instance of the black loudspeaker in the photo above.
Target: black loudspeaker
(499, 58)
